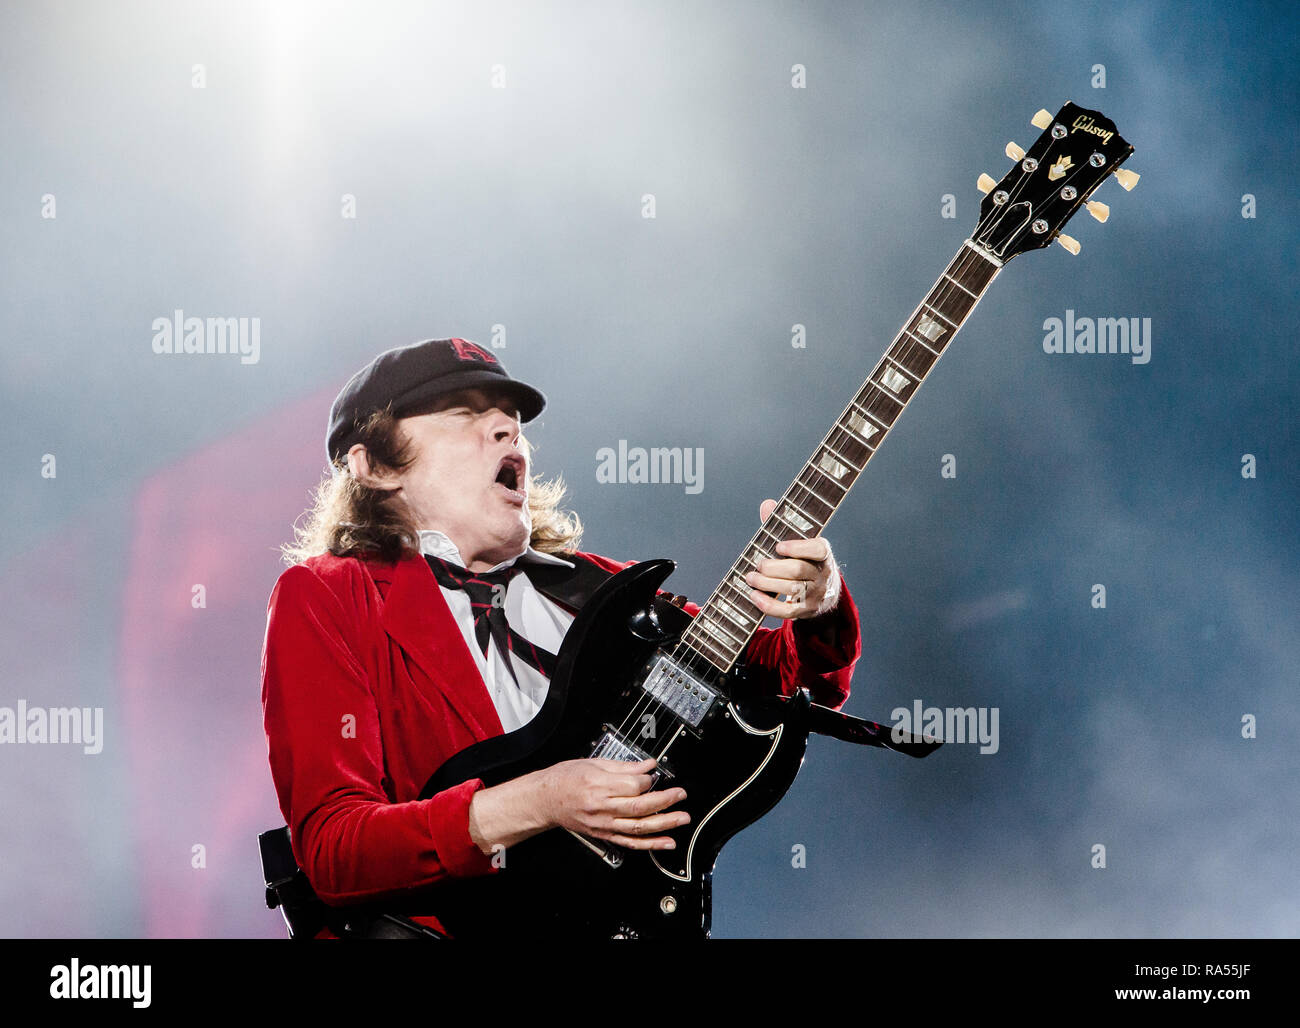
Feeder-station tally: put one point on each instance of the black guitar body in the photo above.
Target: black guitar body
(735, 760)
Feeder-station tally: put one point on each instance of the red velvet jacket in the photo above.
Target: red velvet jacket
(368, 687)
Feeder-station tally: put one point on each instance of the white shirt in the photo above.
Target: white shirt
(538, 619)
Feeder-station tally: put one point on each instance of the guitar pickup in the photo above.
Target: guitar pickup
(681, 691)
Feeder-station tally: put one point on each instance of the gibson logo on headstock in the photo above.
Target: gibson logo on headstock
(1084, 124)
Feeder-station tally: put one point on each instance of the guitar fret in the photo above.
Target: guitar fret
(741, 600)
(776, 515)
(733, 615)
(713, 627)
(719, 659)
(832, 481)
(856, 467)
(918, 339)
(858, 440)
(735, 579)
(883, 427)
(706, 630)
(737, 605)
(857, 426)
(915, 361)
(842, 441)
(831, 503)
(812, 520)
(935, 310)
(881, 394)
(836, 469)
(808, 498)
(850, 443)
(784, 513)
(815, 496)
(908, 379)
(812, 502)
(954, 305)
(960, 286)
(907, 372)
(784, 518)
(696, 638)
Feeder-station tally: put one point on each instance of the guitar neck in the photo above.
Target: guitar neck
(727, 621)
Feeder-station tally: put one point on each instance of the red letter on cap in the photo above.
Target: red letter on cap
(468, 351)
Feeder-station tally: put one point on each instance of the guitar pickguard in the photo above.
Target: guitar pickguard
(682, 868)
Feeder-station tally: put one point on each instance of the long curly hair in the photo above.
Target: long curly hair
(347, 518)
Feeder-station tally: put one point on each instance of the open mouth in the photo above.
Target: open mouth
(510, 475)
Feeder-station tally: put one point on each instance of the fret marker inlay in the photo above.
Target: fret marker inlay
(729, 611)
(794, 519)
(894, 380)
(714, 630)
(862, 426)
(929, 328)
(832, 467)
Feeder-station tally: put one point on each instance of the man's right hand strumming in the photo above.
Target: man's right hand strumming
(611, 800)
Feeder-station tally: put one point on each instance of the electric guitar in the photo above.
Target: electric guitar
(637, 677)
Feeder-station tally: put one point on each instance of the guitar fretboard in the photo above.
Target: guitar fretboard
(726, 622)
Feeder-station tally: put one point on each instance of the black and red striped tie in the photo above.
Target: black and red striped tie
(487, 600)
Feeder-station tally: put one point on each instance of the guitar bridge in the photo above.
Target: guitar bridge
(612, 746)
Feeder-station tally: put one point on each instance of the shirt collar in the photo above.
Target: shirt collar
(436, 544)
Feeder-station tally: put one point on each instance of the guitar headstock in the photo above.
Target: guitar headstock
(1051, 181)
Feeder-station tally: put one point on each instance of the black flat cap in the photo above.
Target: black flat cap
(411, 377)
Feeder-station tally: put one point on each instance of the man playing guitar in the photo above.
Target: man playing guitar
(404, 631)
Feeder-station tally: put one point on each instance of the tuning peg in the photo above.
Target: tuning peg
(1041, 120)
(985, 182)
(1014, 152)
(1098, 210)
(1127, 179)
(1070, 243)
